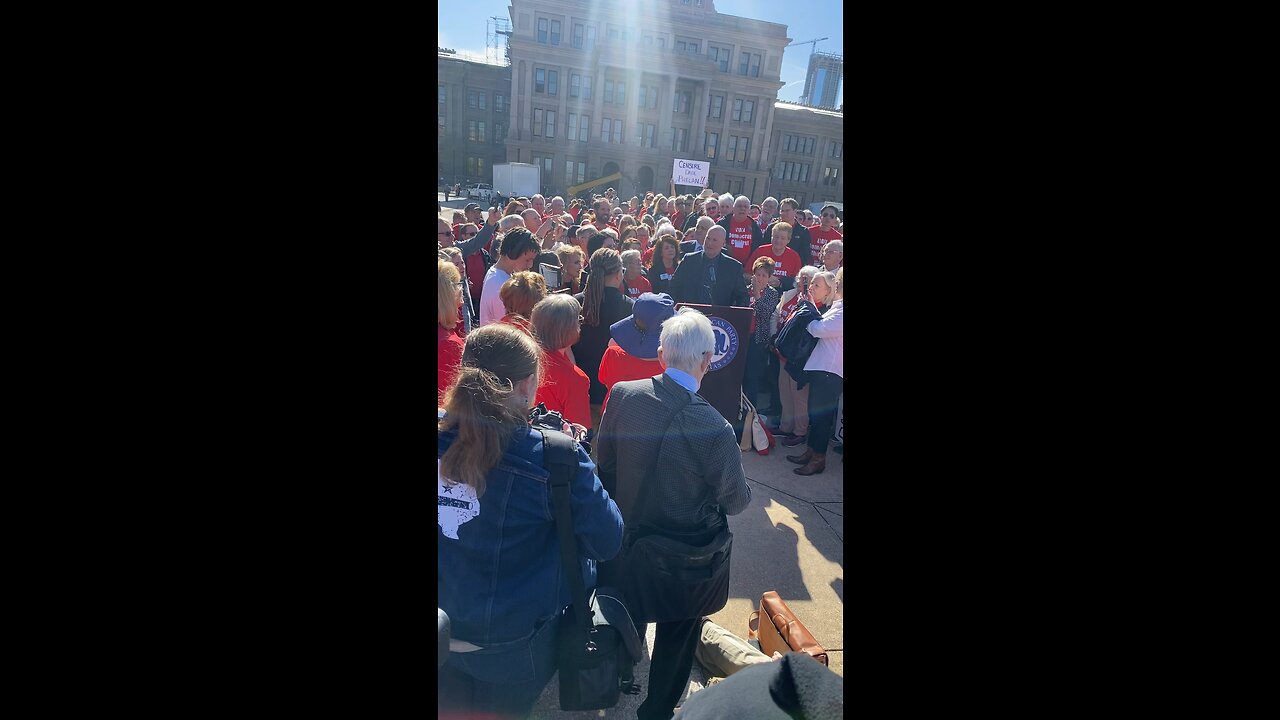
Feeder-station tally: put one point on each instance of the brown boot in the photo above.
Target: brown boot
(816, 464)
(801, 458)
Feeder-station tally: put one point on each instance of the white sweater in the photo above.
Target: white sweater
(829, 354)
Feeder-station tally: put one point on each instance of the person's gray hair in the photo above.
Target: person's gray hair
(704, 222)
(558, 197)
(806, 273)
(536, 196)
(530, 210)
(686, 338)
(630, 255)
(665, 227)
(767, 200)
(725, 199)
(554, 319)
(742, 197)
(510, 222)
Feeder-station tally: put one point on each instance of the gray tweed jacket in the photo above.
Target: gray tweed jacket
(698, 461)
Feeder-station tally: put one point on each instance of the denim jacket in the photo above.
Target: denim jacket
(499, 576)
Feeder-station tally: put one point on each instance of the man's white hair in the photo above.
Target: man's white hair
(557, 198)
(686, 337)
(767, 200)
(630, 256)
(704, 222)
(725, 199)
(742, 197)
(537, 196)
(665, 227)
(510, 222)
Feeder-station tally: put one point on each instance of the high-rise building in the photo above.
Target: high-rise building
(822, 83)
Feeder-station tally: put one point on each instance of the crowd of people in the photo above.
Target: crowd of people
(569, 308)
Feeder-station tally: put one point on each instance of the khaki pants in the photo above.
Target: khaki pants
(795, 403)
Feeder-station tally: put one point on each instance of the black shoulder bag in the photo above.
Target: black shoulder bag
(666, 575)
(597, 645)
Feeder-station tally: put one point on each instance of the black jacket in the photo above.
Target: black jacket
(795, 343)
(589, 349)
(688, 286)
(799, 241)
(797, 686)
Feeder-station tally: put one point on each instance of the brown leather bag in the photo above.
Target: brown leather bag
(781, 631)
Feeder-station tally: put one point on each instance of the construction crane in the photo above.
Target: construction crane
(806, 42)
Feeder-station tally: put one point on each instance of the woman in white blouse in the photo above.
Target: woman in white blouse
(825, 370)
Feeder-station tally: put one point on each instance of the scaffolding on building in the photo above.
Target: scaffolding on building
(497, 41)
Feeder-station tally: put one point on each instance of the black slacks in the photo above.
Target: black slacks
(673, 647)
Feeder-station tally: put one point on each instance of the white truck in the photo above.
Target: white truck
(516, 179)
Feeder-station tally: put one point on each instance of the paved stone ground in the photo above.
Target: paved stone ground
(790, 539)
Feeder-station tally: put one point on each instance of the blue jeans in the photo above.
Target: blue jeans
(824, 397)
(506, 683)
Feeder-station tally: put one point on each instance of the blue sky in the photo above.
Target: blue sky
(462, 28)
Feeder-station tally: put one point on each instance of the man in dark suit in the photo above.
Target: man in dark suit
(662, 450)
(710, 277)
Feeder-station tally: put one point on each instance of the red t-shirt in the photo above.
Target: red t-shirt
(646, 256)
(739, 245)
(637, 286)
(786, 266)
(617, 365)
(565, 388)
(819, 238)
(449, 344)
(677, 220)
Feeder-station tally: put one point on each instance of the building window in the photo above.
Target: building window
(681, 46)
(831, 176)
(475, 130)
(804, 173)
(575, 85)
(755, 65)
(653, 98)
(694, 47)
(571, 128)
(584, 128)
(608, 91)
(679, 139)
(786, 143)
(646, 137)
(500, 103)
(553, 82)
(644, 95)
(591, 36)
(586, 87)
(568, 171)
(546, 169)
(577, 35)
(837, 150)
(743, 145)
(443, 93)
(551, 126)
(617, 131)
(582, 172)
(604, 130)
(748, 110)
(475, 166)
(555, 32)
(620, 97)
(537, 122)
(542, 30)
(712, 143)
(499, 133)
(737, 111)
(716, 108)
(808, 146)
(539, 80)
(744, 63)
(443, 121)
(680, 105)
(731, 147)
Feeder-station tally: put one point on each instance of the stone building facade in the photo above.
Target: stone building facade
(473, 103)
(807, 147)
(594, 94)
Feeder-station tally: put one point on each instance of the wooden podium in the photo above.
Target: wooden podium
(722, 385)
